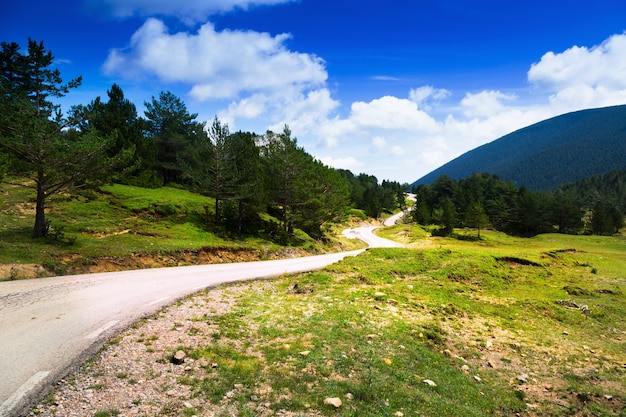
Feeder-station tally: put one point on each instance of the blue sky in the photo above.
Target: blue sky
(391, 88)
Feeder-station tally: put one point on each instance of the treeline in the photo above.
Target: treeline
(484, 200)
(107, 141)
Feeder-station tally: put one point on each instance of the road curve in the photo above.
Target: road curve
(49, 325)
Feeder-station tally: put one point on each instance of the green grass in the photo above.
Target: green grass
(371, 329)
(115, 222)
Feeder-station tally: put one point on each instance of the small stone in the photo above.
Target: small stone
(608, 397)
(488, 344)
(522, 378)
(465, 368)
(398, 414)
(305, 353)
(565, 332)
(448, 353)
(178, 358)
(477, 378)
(349, 396)
(429, 382)
(334, 401)
(214, 365)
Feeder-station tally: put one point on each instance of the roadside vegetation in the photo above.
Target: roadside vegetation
(446, 327)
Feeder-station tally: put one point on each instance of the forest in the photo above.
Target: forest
(106, 141)
(594, 206)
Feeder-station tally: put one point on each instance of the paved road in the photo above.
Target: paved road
(49, 325)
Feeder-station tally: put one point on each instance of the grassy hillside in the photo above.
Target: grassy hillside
(120, 227)
(444, 328)
(547, 154)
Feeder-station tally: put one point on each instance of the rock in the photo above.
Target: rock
(429, 382)
(465, 368)
(178, 358)
(305, 353)
(477, 378)
(488, 344)
(448, 353)
(334, 401)
(522, 378)
(398, 414)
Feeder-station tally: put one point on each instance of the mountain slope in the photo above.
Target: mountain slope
(542, 156)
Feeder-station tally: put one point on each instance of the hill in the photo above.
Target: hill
(542, 156)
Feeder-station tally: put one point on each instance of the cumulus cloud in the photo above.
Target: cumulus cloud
(390, 112)
(218, 65)
(594, 76)
(189, 11)
(485, 103)
(349, 163)
(428, 94)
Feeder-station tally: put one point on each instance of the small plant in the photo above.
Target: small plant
(107, 413)
(13, 272)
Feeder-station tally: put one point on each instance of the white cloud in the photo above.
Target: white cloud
(378, 142)
(485, 103)
(426, 94)
(582, 77)
(217, 64)
(349, 163)
(189, 11)
(393, 113)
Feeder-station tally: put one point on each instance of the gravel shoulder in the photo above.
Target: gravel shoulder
(133, 375)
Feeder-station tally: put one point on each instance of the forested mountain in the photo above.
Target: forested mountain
(556, 151)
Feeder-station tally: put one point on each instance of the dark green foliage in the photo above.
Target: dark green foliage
(485, 199)
(52, 150)
(302, 192)
(373, 198)
(118, 119)
(174, 132)
(545, 155)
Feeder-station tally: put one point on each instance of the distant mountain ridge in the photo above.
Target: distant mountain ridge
(556, 151)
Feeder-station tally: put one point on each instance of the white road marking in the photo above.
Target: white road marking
(101, 330)
(158, 301)
(14, 399)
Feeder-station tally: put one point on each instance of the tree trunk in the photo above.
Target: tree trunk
(41, 224)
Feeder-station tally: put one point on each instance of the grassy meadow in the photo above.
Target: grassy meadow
(500, 326)
(121, 227)
(456, 328)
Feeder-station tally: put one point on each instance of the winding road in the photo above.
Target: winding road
(50, 325)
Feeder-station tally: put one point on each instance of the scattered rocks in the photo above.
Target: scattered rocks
(334, 401)
(178, 358)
